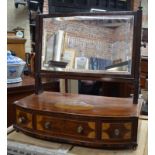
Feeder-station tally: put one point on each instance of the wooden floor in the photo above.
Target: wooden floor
(68, 149)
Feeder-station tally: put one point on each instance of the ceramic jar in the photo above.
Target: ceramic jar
(15, 68)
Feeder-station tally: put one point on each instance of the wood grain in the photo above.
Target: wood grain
(101, 106)
(76, 150)
(66, 127)
(116, 131)
(27, 123)
(140, 150)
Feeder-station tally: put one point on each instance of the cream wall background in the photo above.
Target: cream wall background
(145, 13)
(19, 17)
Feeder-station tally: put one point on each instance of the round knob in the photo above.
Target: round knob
(117, 132)
(79, 129)
(21, 119)
(47, 125)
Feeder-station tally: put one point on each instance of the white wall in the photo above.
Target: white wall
(19, 17)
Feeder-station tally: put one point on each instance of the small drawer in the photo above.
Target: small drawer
(23, 119)
(66, 127)
(116, 131)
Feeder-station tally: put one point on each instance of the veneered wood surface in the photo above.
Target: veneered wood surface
(66, 127)
(27, 116)
(100, 106)
(77, 150)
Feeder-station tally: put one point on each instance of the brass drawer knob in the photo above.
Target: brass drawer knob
(79, 129)
(116, 132)
(47, 125)
(21, 119)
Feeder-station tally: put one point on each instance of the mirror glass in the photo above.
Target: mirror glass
(89, 44)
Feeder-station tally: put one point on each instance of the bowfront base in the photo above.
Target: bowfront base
(100, 122)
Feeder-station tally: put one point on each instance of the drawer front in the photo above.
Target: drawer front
(23, 119)
(66, 127)
(116, 131)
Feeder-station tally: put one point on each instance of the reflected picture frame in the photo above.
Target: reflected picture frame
(68, 56)
(81, 63)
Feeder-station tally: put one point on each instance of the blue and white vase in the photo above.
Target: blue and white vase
(15, 68)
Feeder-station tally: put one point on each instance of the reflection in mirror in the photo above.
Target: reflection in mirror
(90, 44)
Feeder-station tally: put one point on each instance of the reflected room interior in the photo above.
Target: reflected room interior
(90, 44)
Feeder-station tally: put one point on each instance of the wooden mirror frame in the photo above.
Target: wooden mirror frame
(131, 78)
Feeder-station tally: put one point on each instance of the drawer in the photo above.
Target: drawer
(116, 131)
(23, 119)
(66, 127)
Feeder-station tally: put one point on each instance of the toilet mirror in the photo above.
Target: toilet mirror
(88, 43)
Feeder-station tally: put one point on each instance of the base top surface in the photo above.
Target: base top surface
(81, 104)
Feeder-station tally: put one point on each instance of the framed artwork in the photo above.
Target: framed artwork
(69, 57)
(81, 63)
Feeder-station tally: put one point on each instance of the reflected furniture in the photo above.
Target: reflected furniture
(68, 45)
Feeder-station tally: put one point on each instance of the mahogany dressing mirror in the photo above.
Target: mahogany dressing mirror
(84, 46)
